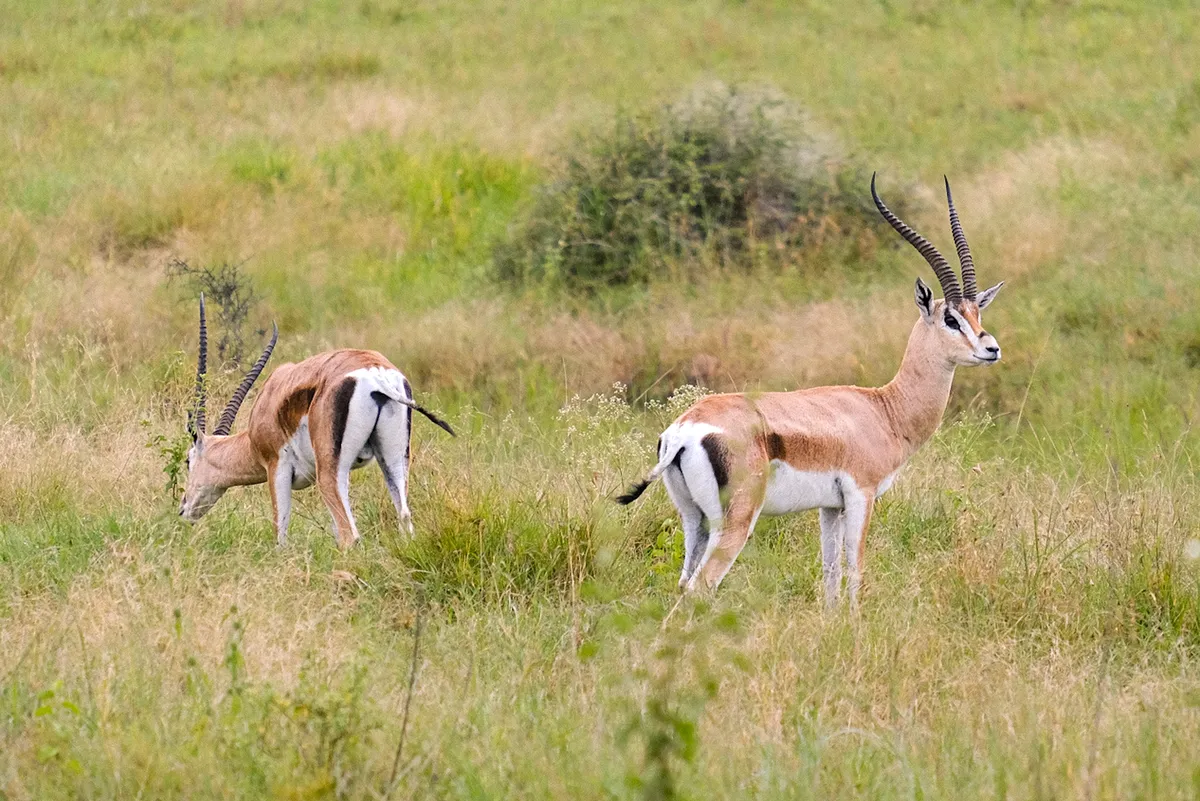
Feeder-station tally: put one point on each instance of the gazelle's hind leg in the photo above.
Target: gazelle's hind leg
(695, 532)
(831, 554)
(693, 475)
(339, 430)
(740, 517)
(390, 443)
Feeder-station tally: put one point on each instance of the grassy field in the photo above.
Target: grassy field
(1031, 622)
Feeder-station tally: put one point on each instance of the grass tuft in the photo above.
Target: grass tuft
(501, 550)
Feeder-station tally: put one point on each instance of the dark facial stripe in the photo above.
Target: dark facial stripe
(718, 456)
(341, 412)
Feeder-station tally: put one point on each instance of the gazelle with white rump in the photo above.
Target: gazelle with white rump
(313, 422)
(730, 458)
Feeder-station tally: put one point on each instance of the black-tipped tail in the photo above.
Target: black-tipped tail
(633, 494)
(437, 421)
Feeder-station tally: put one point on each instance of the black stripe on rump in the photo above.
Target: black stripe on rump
(408, 445)
(341, 413)
(718, 456)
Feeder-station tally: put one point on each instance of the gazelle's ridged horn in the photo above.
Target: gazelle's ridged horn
(197, 422)
(941, 267)
(964, 251)
(225, 425)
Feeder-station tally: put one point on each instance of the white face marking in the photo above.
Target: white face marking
(792, 490)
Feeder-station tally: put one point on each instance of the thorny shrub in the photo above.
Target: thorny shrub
(227, 288)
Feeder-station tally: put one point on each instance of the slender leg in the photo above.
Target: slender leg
(697, 477)
(281, 498)
(695, 535)
(339, 429)
(695, 550)
(859, 505)
(339, 508)
(390, 444)
(354, 441)
(739, 522)
(831, 554)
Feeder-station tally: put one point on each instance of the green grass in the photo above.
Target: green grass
(1031, 623)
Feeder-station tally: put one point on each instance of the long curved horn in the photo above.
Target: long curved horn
(196, 424)
(225, 425)
(960, 244)
(941, 267)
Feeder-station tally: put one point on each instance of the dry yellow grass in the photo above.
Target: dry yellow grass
(1032, 615)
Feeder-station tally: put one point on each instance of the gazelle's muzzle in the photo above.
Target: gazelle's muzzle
(194, 507)
(988, 350)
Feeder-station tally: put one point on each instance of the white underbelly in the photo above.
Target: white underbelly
(792, 490)
(299, 456)
(886, 484)
(298, 453)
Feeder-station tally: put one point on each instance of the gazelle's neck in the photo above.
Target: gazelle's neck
(915, 400)
(234, 460)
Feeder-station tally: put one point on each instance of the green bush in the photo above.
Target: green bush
(728, 177)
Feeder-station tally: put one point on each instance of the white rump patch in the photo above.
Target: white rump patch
(381, 379)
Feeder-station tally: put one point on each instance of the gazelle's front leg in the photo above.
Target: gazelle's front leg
(281, 473)
(831, 554)
(857, 517)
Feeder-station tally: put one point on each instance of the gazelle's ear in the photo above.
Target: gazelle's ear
(988, 295)
(924, 296)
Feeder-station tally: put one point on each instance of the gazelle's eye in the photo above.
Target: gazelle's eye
(951, 323)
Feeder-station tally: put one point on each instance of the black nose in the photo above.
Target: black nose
(993, 348)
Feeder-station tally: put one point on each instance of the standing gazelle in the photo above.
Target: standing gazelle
(312, 422)
(731, 457)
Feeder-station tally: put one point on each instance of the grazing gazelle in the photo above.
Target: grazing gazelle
(731, 457)
(312, 422)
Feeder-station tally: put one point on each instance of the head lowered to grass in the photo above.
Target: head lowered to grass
(730, 458)
(313, 422)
